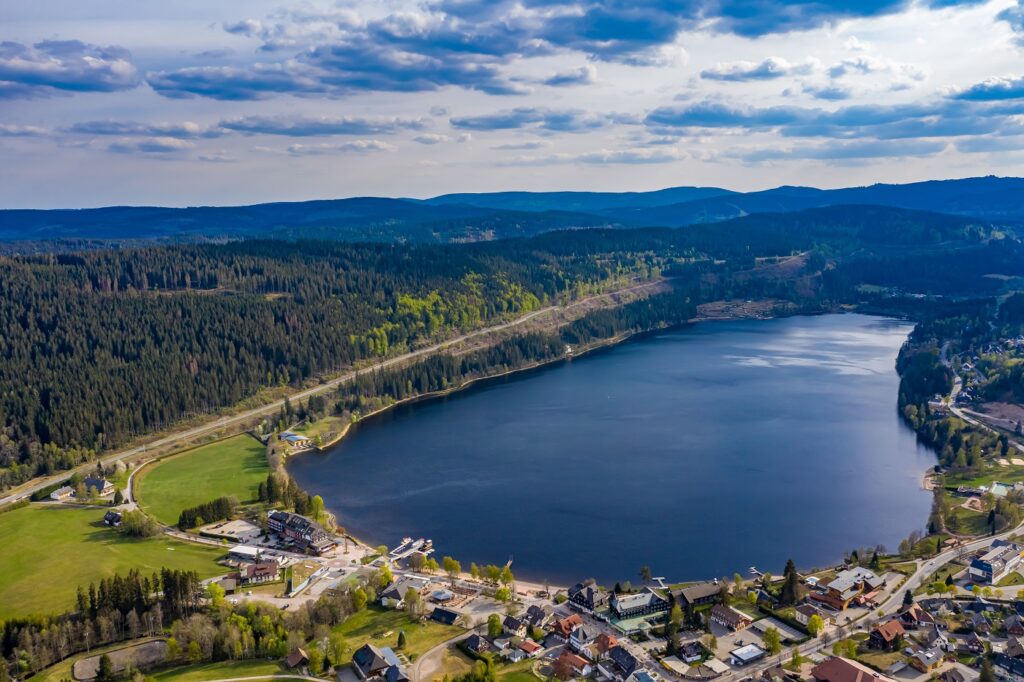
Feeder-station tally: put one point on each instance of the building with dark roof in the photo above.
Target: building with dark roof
(624, 661)
(587, 597)
(368, 661)
(444, 616)
(305, 533)
(697, 595)
(476, 644)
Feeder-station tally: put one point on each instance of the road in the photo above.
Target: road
(432, 662)
(278, 676)
(887, 608)
(272, 407)
(950, 400)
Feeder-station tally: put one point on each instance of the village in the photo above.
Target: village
(879, 618)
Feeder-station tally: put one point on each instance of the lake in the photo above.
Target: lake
(699, 451)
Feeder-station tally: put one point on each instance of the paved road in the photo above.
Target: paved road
(887, 608)
(950, 400)
(276, 676)
(272, 407)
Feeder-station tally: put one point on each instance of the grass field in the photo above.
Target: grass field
(234, 466)
(48, 551)
(371, 624)
(971, 522)
(219, 671)
(322, 426)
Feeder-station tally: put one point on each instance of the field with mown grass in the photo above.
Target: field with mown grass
(49, 550)
(234, 466)
(381, 626)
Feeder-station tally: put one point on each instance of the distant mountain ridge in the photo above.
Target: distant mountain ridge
(498, 215)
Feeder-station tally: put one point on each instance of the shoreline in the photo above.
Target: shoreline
(539, 364)
(604, 344)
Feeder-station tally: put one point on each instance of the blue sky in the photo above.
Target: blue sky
(195, 102)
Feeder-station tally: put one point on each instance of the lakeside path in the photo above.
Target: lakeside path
(236, 420)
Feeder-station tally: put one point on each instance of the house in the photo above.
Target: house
(999, 561)
(102, 486)
(604, 643)
(979, 622)
(1009, 668)
(887, 636)
(537, 616)
(296, 659)
(564, 627)
(764, 598)
(513, 626)
(980, 605)
(501, 644)
(1014, 625)
(853, 585)
(587, 597)
(476, 644)
(837, 669)
(926, 660)
(940, 606)
(295, 440)
(573, 664)
(62, 493)
(395, 673)
(256, 574)
(914, 616)
(623, 661)
(691, 652)
(968, 643)
(305, 533)
(581, 637)
(1014, 647)
(779, 674)
(745, 655)
(952, 675)
(228, 584)
(530, 648)
(643, 603)
(697, 595)
(368, 662)
(112, 518)
(933, 637)
(513, 654)
(728, 617)
(804, 612)
(444, 616)
(393, 596)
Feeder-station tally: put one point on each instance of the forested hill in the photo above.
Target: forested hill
(359, 219)
(100, 346)
(459, 218)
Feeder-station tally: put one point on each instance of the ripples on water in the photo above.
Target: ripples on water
(699, 451)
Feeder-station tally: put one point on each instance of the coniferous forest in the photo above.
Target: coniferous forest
(102, 346)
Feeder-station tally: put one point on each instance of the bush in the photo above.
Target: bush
(136, 524)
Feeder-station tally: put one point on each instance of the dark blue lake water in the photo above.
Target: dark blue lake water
(700, 452)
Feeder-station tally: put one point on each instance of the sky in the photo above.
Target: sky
(192, 102)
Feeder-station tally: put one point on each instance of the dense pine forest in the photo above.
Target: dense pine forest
(101, 346)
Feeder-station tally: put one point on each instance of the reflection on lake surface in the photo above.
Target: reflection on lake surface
(699, 452)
